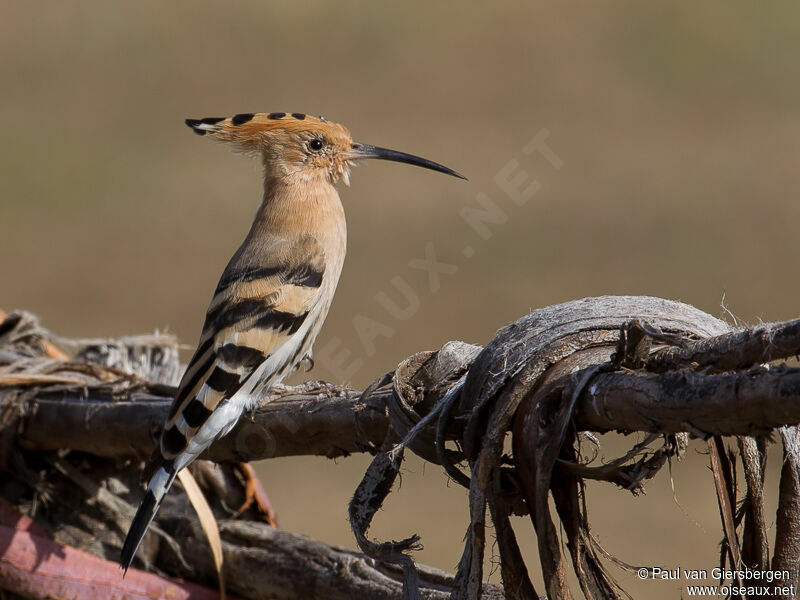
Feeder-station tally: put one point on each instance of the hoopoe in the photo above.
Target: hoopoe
(275, 292)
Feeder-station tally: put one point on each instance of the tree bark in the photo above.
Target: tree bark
(597, 364)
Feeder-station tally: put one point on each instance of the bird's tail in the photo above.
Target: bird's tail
(156, 490)
(164, 469)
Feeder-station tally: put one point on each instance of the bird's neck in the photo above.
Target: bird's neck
(296, 208)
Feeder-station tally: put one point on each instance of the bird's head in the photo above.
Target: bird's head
(301, 147)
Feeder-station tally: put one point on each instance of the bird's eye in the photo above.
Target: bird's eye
(316, 144)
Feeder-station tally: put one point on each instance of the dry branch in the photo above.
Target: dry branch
(327, 420)
(312, 419)
(735, 350)
(753, 402)
(263, 562)
(599, 364)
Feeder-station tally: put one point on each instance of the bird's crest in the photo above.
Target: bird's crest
(250, 131)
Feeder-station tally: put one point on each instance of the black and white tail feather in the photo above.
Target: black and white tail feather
(260, 325)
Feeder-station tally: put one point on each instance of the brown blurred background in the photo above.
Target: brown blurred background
(676, 123)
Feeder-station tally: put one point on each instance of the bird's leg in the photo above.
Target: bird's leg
(255, 494)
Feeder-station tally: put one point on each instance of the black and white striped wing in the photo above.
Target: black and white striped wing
(257, 318)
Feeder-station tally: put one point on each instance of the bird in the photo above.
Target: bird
(273, 295)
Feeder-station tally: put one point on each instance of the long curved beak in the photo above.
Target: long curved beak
(366, 151)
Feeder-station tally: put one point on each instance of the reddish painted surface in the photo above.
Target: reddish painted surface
(10, 517)
(37, 567)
